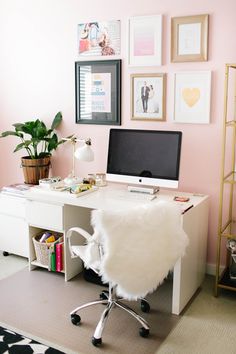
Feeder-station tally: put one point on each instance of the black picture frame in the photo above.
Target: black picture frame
(98, 92)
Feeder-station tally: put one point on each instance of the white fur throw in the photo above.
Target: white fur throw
(140, 246)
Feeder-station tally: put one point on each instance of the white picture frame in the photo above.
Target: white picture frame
(192, 97)
(145, 40)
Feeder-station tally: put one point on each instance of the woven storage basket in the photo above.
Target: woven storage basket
(42, 248)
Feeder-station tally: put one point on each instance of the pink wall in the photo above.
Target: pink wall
(38, 50)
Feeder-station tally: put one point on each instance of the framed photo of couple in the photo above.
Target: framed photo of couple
(148, 97)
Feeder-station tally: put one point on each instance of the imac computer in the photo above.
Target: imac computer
(144, 159)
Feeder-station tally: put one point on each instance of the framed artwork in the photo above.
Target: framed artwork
(145, 40)
(148, 97)
(99, 38)
(98, 92)
(192, 97)
(189, 38)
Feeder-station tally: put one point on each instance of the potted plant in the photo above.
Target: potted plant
(39, 143)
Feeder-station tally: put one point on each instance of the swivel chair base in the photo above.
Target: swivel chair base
(110, 299)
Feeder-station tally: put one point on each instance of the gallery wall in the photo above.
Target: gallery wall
(38, 41)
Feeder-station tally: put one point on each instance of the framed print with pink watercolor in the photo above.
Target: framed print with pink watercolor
(145, 40)
(192, 97)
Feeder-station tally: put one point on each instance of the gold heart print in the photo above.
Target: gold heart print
(191, 96)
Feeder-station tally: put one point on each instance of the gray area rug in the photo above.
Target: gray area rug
(208, 326)
(37, 304)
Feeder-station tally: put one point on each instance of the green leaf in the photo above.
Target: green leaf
(28, 142)
(35, 135)
(28, 127)
(19, 147)
(40, 130)
(43, 154)
(56, 121)
(35, 141)
(9, 132)
(53, 143)
(49, 131)
(18, 126)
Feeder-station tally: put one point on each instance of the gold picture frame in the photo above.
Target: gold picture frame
(148, 97)
(189, 38)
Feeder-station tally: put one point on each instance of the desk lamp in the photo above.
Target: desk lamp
(82, 153)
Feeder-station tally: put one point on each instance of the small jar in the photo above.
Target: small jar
(92, 179)
(100, 179)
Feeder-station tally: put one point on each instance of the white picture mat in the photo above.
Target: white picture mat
(157, 84)
(100, 92)
(189, 41)
(192, 97)
(151, 27)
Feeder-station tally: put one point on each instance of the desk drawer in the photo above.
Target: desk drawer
(45, 215)
(11, 205)
(14, 235)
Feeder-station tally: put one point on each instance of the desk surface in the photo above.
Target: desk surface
(115, 196)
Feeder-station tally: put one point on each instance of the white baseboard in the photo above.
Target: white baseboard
(211, 268)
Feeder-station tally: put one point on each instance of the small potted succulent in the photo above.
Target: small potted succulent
(39, 143)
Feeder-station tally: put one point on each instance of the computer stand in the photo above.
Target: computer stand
(143, 189)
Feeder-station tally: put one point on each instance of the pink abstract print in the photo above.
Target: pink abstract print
(144, 40)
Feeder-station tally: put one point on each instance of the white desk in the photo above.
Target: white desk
(14, 227)
(59, 211)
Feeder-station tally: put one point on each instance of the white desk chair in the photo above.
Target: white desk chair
(132, 250)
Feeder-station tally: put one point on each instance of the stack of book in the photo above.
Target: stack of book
(17, 189)
(56, 259)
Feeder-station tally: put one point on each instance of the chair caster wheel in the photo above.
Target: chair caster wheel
(75, 319)
(104, 295)
(5, 253)
(144, 332)
(145, 307)
(96, 341)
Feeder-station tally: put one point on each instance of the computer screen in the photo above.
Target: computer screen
(144, 157)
